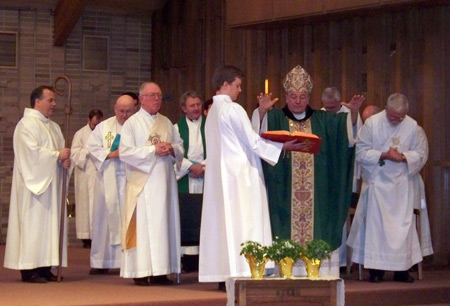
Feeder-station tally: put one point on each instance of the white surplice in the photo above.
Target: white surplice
(420, 201)
(194, 154)
(108, 196)
(383, 234)
(34, 212)
(235, 207)
(157, 250)
(85, 173)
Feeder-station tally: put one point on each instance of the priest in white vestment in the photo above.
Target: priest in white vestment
(383, 234)
(32, 244)
(109, 192)
(234, 202)
(85, 174)
(420, 201)
(150, 146)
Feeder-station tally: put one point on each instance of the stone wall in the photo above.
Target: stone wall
(40, 63)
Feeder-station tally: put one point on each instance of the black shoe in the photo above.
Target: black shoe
(376, 276)
(403, 276)
(141, 281)
(34, 278)
(221, 286)
(375, 279)
(86, 243)
(95, 271)
(48, 275)
(160, 280)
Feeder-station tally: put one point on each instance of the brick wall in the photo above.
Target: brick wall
(40, 63)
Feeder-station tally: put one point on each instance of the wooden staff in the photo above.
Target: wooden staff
(67, 112)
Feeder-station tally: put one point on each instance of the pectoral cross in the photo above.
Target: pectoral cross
(109, 137)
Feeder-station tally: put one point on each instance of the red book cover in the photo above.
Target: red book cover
(312, 141)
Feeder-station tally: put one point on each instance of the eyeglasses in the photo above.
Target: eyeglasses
(153, 95)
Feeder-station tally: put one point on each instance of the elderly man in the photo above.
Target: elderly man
(369, 111)
(235, 204)
(36, 191)
(309, 195)
(383, 234)
(190, 177)
(85, 174)
(109, 188)
(331, 101)
(150, 146)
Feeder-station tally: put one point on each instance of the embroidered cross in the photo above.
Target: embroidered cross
(109, 137)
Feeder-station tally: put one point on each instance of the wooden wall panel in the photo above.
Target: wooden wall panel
(288, 8)
(334, 5)
(376, 55)
(248, 11)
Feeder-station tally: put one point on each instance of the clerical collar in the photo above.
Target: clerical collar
(35, 113)
(194, 121)
(308, 113)
(147, 113)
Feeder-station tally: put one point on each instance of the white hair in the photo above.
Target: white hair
(397, 102)
(331, 93)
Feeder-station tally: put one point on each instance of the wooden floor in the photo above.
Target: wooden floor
(80, 288)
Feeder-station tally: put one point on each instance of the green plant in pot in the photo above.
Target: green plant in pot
(256, 256)
(313, 252)
(286, 252)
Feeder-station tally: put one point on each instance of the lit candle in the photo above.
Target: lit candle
(266, 86)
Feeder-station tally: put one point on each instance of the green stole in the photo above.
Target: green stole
(333, 174)
(183, 183)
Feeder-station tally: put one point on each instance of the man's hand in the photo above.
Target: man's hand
(355, 103)
(393, 155)
(66, 163)
(113, 154)
(295, 145)
(64, 154)
(197, 170)
(164, 149)
(265, 103)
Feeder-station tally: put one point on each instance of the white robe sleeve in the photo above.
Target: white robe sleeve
(95, 147)
(259, 126)
(184, 169)
(78, 152)
(268, 150)
(178, 150)
(37, 164)
(366, 156)
(414, 156)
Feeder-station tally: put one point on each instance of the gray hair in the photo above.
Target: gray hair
(145, 84)
(331, 93)
(189, 94)
(397, 102)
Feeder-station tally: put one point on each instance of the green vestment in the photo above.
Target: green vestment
(332, 177)
(183, 183)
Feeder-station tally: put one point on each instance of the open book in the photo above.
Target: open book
(312, 141)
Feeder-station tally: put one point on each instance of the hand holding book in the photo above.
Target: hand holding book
(306, 142)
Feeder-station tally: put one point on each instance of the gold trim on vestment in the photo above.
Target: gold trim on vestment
(302, 203)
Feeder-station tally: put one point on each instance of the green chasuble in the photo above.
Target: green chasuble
(183, 183)
(312, 191)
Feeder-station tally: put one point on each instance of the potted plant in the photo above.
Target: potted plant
(286, 252)
(256, 256)
(313, 252)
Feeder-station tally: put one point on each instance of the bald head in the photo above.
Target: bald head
(124, 108)
(369, 111)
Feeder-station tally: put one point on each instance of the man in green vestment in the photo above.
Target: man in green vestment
(309, 195)
(190, 176)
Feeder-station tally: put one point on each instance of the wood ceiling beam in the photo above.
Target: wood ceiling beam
(67, 13)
